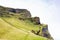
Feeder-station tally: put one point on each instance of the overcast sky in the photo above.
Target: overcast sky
(47, 10)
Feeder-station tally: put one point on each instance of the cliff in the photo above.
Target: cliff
(24, 16)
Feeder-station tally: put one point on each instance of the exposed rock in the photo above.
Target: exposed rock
(27, 14)
(45, 29)
(37, 20)
(45, 35)
(45, 32)
(11, 10)
(22, 12)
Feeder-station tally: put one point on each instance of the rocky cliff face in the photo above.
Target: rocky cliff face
(36, 20)
(23, 14)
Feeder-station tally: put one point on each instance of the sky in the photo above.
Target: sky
(47, 10)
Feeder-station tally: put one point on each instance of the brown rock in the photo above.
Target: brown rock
(37, 20)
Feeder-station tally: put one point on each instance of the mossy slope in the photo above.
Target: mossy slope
(9, 32)
(17, 24)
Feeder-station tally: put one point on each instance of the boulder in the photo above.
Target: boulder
(44, 29)
(36, 20)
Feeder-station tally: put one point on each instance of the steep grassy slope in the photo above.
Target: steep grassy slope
(14, 29)
(26, 25)
(17, 24)
(21, 24)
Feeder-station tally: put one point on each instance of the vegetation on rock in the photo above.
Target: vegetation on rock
(17, 24)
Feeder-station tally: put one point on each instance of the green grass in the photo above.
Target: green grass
(21, 24)
(15, 29)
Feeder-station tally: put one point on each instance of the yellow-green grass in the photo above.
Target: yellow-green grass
(26, 25)
(14, 32)
(21, 24)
